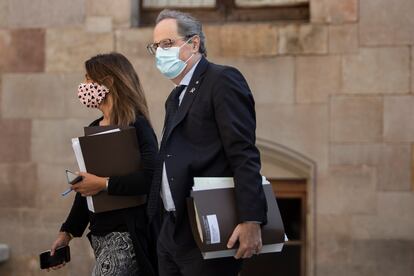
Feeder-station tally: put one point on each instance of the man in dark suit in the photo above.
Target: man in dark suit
(209, 131)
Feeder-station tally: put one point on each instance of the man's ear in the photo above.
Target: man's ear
(196, 43)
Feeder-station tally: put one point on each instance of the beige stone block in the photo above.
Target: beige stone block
(10, 223)
(156, 86)
(412, 69)
(333, 238)
(386, 22)
(52, 182)
(393, 220)
(4, 13)
(40, 231)
(98, 24)
(42, 235)
(22, 50)
(1, 88)
(68, 49)
(32, 96)
(343, 268)
(377, 70)
(381, 256)
(157, 114)
(303, 39)
(356, 119)
(289, 124)
(326, 195)
(317, 77)
(334, 11)
(84, 260)
(356, 154)
(348, 190)
(133, 42)
(271, 80)
(34, 230)
(393, 162)
(119, 10)
(45, 219)
(18, 183)
(23, 265)
(51, 140)
(253, 40)
(395, 168)
(15, 140)
(46, 13)
(48, 95)
(398, 114)
(412, 168)
(343, 39)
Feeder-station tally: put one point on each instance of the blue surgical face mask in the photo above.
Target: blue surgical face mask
(169, 63)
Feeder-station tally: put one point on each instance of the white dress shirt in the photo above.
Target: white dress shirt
(165, 185)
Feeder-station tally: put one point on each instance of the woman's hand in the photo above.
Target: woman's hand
(90, 184)
(63, 239)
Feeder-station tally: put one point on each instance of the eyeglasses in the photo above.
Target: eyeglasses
(165, 44)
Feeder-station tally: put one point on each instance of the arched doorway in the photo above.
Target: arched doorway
(293, 178)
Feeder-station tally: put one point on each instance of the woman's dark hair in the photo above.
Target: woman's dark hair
(116, 72)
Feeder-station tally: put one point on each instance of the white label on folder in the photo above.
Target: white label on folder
(214, 229)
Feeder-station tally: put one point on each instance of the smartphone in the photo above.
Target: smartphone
(72, 177)
(62, 255)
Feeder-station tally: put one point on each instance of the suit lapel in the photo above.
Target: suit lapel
(190, 94)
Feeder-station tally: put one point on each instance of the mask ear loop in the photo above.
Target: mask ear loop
(185, 44)
(189, 58)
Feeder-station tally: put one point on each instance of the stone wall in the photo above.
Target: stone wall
(338, 89)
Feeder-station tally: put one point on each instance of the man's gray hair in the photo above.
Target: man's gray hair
(188, 26)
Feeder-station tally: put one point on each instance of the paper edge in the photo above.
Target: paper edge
(212, 183)
(82, 168)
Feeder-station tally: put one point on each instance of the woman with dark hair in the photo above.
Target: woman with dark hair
(120, 238)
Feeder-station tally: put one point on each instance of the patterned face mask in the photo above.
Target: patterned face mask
(92, 94)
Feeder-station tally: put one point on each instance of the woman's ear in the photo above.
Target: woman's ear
(108, 81)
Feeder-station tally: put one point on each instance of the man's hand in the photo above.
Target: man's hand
(249, 236)
(90, 185)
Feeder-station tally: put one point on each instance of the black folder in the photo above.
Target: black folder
(213, 217)
(111, 154)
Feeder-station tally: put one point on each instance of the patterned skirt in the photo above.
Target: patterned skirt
(114, 255)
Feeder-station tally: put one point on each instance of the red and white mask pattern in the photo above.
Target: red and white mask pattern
(92, 94)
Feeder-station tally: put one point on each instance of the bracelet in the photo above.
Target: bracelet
(107, 183)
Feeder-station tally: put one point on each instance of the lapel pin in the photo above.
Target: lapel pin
(197, 82)
(192, 90)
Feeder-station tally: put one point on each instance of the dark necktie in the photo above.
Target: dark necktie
(171, 108)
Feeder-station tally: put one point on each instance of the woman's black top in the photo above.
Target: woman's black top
(137, 183)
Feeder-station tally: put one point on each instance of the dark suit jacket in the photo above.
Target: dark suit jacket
(213, 135)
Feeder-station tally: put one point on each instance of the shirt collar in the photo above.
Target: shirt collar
(187, 78)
